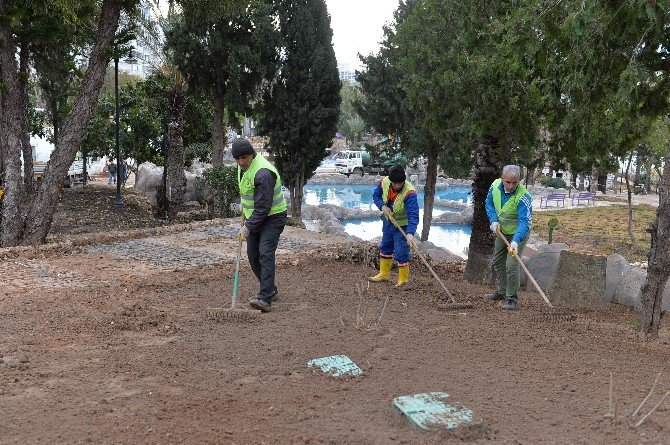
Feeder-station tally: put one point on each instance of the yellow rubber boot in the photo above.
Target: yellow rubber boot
(403, 275)
(384, 269)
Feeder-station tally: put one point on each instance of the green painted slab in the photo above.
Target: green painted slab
(429, 411)
(336, 365)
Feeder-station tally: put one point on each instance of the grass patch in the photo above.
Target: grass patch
(602, 230)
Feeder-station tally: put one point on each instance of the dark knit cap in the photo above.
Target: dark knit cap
(397, 174)
(242, 147)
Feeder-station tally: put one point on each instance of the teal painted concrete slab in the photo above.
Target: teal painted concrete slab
(336, 365)
(430, 412)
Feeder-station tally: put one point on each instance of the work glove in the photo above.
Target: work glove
(386, 211)
(513, 247)
(243, 233)
(411, 240)
(495, 227)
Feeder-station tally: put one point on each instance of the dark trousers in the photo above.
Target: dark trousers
(261, 248)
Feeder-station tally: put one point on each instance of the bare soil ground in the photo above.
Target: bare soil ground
(104, 349)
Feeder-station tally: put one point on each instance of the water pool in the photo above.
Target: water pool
(455, 238)
(452, 237)
(360, 196)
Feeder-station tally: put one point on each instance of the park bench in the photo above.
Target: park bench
(584, 196)
(558, 198)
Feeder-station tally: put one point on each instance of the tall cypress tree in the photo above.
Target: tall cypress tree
(301, 107)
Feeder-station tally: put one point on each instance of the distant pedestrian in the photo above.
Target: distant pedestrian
(111, 167)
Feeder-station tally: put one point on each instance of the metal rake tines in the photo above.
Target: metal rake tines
(556, 316)
(232, 314)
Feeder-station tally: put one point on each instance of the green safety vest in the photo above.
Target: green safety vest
(507, 214)
(399, 212)
(246, 183)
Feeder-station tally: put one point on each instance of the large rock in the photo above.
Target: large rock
(617, 266)
(628, 290)
(554, 247)
(542, 266)
(580, 280)
(150, 176)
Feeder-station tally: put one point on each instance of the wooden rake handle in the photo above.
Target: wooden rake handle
(416, 249)
(523, 266)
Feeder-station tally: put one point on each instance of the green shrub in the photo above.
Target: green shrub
(556, 183)
(218, 187)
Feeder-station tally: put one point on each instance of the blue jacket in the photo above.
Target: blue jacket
(524, 212)
(411, 208)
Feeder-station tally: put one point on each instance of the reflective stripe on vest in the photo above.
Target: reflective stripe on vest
(507, 214)
(399, 212)
(246, 184)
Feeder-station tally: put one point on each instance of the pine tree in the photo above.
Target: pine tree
(301, 108)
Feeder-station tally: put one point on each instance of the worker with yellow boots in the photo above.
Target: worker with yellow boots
(396, 197)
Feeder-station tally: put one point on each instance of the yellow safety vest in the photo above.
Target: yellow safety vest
(399, 212)
(246, 184)
(507, 214)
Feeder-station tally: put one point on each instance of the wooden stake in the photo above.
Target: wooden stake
(386, 302)
(648, 395)
(652, 410)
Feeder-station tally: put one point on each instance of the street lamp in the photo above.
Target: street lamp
(118, 200)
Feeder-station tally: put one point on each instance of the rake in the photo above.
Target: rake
(232, 312)
(451, 304)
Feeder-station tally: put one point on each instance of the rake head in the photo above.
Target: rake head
(455, 306)
(223, 314)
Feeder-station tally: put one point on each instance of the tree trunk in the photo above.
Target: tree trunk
(648, 170)
(55, 124)
(633, 240)
(429, 192)
(296, 194)
(26, 148)
(176, 157)
(42, 209)
(659, 259)
(10, 137)
(593, 186)
(530, 176)
(218, 136)
(638, 168)
(488, 168)
(602, 183)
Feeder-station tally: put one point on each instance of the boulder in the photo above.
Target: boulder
(628, 290)
(580, 280)
(617, 266)
(554, 247)
(150, 176)
(542, 267)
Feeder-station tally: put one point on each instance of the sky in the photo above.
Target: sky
(357, 27)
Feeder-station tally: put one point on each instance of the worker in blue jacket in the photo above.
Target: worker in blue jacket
(510, 212)
(396, 196)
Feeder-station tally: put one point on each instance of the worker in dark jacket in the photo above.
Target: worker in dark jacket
(395, 196)
(264, 209)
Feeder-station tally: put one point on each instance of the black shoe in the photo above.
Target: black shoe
(495, 296)
(261, 305)
(511, 304)
(275, 297)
